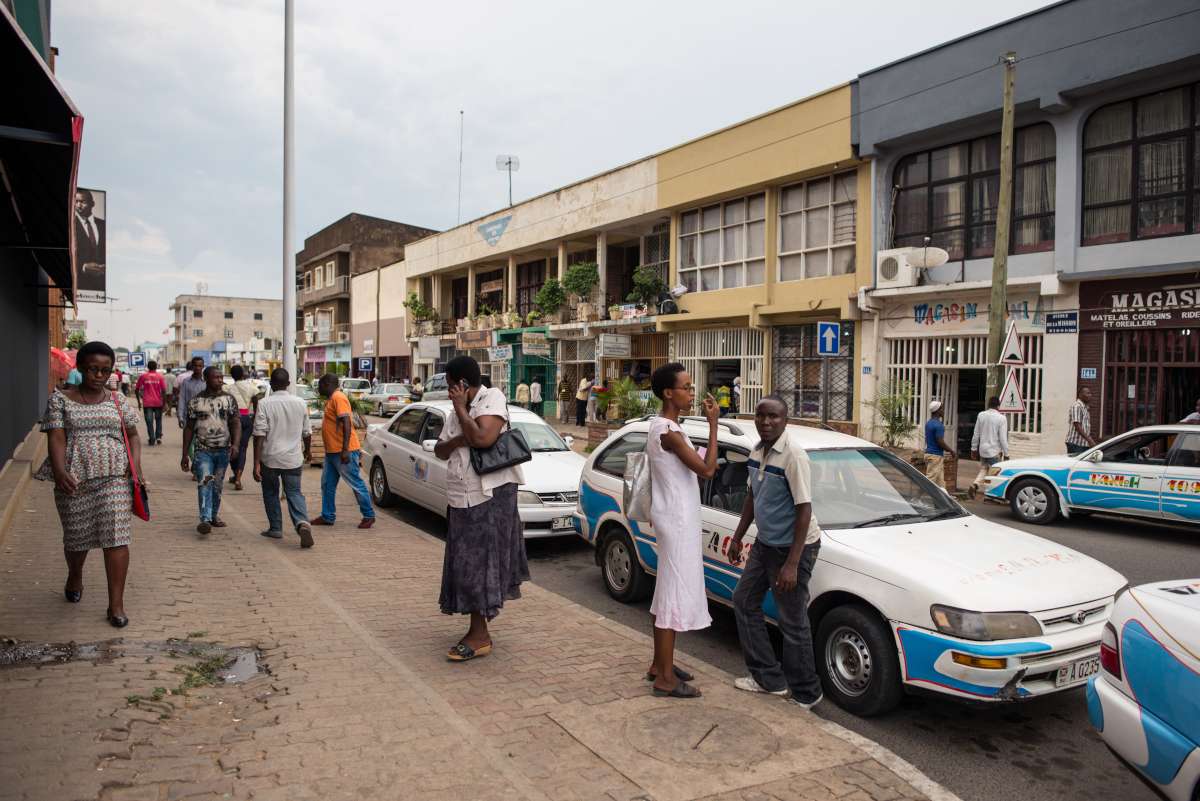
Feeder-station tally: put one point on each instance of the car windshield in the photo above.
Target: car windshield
(540, 437)
(864, 487)
(306, 392)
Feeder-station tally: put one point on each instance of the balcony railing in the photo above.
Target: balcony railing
(340, 286)
(325, 334)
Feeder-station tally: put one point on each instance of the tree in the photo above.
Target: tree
(76, 340)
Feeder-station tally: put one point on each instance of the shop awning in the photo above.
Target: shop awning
(40, 134)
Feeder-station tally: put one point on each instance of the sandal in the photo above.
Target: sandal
(681, 690)
(464, 653)
(680, 674)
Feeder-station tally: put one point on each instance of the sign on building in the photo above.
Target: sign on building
(369, 347)
(91, 269)
(501, 353)
(534, 343)
(469, 340)
(428, 347)
(488, 287)
(614, 346)
(829, 338)
(72, 326)
(1062, 322)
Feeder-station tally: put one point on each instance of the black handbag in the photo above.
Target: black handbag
(509, 450)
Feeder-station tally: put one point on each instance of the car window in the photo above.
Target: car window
(612, 461)
(540, 437)
(434, 423)
(407, 424)
(437, 382)
(859, 487)
(1147, 449)
(395, 389)
(355, 383)
(727, 489)
(1187, 452)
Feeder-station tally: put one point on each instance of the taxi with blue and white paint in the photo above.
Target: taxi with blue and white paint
(909, 592)
(1146, 700)
(1151, 472)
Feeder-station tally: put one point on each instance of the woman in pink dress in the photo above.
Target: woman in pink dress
(680, 603)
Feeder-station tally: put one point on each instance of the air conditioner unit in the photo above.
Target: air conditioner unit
(895, 268)
(343, 336)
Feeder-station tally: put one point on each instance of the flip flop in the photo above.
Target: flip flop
(681, 690)
(465, 653)
(680, 674)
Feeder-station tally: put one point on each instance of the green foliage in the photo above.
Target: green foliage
(891, 404)
(76, 340)
(626, 395)
(581, 279)
(647, 286)
(418, 309)
(340, 369)
(484, 310)
(551, 297)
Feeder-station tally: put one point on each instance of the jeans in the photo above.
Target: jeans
(153, 415)
(297, 508)
(348, 472)
(239, 464)
(209, 468)
(1073, 449)
(798, 671)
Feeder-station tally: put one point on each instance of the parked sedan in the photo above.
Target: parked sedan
(1152, 472)
(909, 591)
(355, 388)
(1146, 701)
(402, 464)
(389, 398)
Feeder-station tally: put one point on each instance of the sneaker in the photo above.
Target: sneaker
(748, 684)
(204, 527)
(806, 704)
(305, 532)
(367, 522)
(275, 535)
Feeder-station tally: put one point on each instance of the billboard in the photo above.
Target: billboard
(89, 257)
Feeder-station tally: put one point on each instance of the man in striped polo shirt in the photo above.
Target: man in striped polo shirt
(1079, 424)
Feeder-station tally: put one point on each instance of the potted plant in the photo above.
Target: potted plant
(533, 318)
(580, 280)
(485, 316)
(550, 299)
(648, 286)
(891, 404)
(614, 312)
(511, 318)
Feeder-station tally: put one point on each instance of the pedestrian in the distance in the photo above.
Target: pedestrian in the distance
(535, 396)
(1079, 424)
(151, 391)
(935, 445)
(522, 395)
(581, 400)
(989, 443)
(342, 455)
(1194, 417)
(485, 559)
(565, 396)
(247, 394)
(680, 603)
(418, 389)
(282, 446)
(213, 425)
(188, 386)
(87, 427)
(779, 501)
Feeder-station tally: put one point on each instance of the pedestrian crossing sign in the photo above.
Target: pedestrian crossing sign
(1011, 400)
(1011, 353)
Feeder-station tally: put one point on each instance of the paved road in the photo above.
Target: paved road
(1042, 750)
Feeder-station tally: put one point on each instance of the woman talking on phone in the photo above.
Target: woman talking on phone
(485, 559)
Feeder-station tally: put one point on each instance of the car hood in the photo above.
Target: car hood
(1040, 463)
(974, 564)
(553, 471)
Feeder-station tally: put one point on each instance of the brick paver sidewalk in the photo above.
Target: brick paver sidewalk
(359, 701)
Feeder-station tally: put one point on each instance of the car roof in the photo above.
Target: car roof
(446, 406)
(741, 431)
(1168, 428)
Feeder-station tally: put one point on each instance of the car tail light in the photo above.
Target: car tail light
(393, 398)
(1110, 651)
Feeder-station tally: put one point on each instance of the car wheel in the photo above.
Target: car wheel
(857, 662)
(1033, 501)
(381, 494)
(624, 577)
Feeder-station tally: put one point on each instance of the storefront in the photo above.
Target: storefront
(477, 345)
(715, 357)
(532, 356)
(634, 354)
(1139, 350)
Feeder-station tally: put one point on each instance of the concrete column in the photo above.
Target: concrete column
(470, 290)
(602, 265)
(562, 259)
(510, 283)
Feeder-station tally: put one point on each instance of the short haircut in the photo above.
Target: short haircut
(95, 348)
(152, 365)
(328, 378)
(463, 368)
(87, 192)
(776, 398)
(212, 368)
(664, 378)
(993, 402)
(195, 359)
(280, 378)
(237, 372)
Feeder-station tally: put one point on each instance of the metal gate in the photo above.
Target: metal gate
(698, 350)
(1151, 376)
(820, 387)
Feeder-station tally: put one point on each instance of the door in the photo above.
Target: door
(400, 449)
(1181, 481)
(429, 472)
(943, 386)
(1128, 477)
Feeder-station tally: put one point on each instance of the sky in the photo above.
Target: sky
(183, 108)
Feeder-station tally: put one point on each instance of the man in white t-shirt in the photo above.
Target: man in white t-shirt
(282, 441)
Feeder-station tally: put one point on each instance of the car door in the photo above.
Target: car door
(602, 488)
(1181, 481)
(428, 471)
(1127, 478)
(399, 449)
(721, 499)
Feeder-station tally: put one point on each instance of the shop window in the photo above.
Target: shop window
(530, 277)
(814, 386)
(722, 246)
(950, 195)
(1141, 168)
(656, 249)
(817, 227)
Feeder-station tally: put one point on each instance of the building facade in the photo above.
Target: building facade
(225, 331)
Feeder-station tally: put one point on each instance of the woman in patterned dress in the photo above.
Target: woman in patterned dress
(90, 470)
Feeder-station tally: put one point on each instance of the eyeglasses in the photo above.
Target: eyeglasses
(94, 370)
(688, 387)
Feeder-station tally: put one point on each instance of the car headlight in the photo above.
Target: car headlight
(984, 625)
(993, 471)
(525, 498)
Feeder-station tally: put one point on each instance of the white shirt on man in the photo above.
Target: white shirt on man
(535, 392)
(991, 434)
(283, 421)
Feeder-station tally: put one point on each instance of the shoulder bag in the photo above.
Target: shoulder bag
(636, 494)
(509, 450)
(141, 499)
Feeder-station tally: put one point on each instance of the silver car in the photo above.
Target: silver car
(388, 399)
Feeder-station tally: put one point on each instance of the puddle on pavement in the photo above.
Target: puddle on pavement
(237, 664)
(15, 653)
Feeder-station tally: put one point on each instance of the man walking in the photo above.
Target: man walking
(780, 502)
(1079, 424)
(342, 455)
(935, 446)
(151, 389)
(535, 396)
(189, 386)
(989, 443)
(522, 395)
(282, 444)
(215, 427)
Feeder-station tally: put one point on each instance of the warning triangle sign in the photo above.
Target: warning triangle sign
(1011, 353)
(1010, 397)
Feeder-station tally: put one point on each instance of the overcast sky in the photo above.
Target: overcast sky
(183, 107)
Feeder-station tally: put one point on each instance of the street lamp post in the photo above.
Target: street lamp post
(289, 260)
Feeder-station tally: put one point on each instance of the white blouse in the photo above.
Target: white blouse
(465, 487)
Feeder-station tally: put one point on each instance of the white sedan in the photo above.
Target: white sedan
(910, 591)
(399, 456)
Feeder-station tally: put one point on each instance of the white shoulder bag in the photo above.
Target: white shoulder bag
(636, 495)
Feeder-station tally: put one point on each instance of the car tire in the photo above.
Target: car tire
(1033, 501)
(624, 577)
(381, 493)
(857, 661)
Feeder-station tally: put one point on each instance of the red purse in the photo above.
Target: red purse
(141, 499)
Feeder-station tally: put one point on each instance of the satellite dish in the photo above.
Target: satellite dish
(508, 163)
(928, 257)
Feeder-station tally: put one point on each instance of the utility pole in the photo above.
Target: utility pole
(289, 163)
(998, 308)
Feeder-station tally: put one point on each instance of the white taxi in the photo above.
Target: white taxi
(910, 591)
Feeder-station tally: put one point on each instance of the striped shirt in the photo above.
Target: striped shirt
(780, 479)
(1079, 414)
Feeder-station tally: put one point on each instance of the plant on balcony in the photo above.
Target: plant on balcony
(486, 317)
(647, 286)
(533, 318)
(418, 309)
(580, 280)
(550, 299)
(511, 318)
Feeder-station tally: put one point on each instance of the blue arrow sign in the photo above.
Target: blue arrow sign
(829, 339)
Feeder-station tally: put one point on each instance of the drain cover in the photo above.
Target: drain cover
(701, 735)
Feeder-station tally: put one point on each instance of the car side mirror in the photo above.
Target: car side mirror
(1095, 456)
(567, 438)
(428, 445)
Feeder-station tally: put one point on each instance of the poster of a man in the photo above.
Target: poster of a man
(90, 262)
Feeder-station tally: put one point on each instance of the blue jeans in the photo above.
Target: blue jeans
(153, 415)
(208, 490)
(348, 472)
(297, 508)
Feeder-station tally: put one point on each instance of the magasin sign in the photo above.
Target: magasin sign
(1162, 302)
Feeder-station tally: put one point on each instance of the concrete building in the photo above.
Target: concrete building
(354, 245)
(377, 329)
(1104, 278)
(225, 331)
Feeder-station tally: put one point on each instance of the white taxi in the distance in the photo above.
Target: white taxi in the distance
(910, 591)
(400, 461)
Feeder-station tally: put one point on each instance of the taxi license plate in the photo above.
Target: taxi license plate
(1077, 671)
(562, 524)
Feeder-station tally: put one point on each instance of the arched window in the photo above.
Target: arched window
(950, 194)
(1141, 178)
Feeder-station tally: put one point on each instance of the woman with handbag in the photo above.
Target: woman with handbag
(94, 451)
(485, 559)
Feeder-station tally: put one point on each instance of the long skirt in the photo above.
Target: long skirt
(485, 559)
(96, 515)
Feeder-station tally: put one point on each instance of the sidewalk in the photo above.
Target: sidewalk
(358, 700)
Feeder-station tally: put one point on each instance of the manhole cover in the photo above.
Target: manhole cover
(701, 735)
